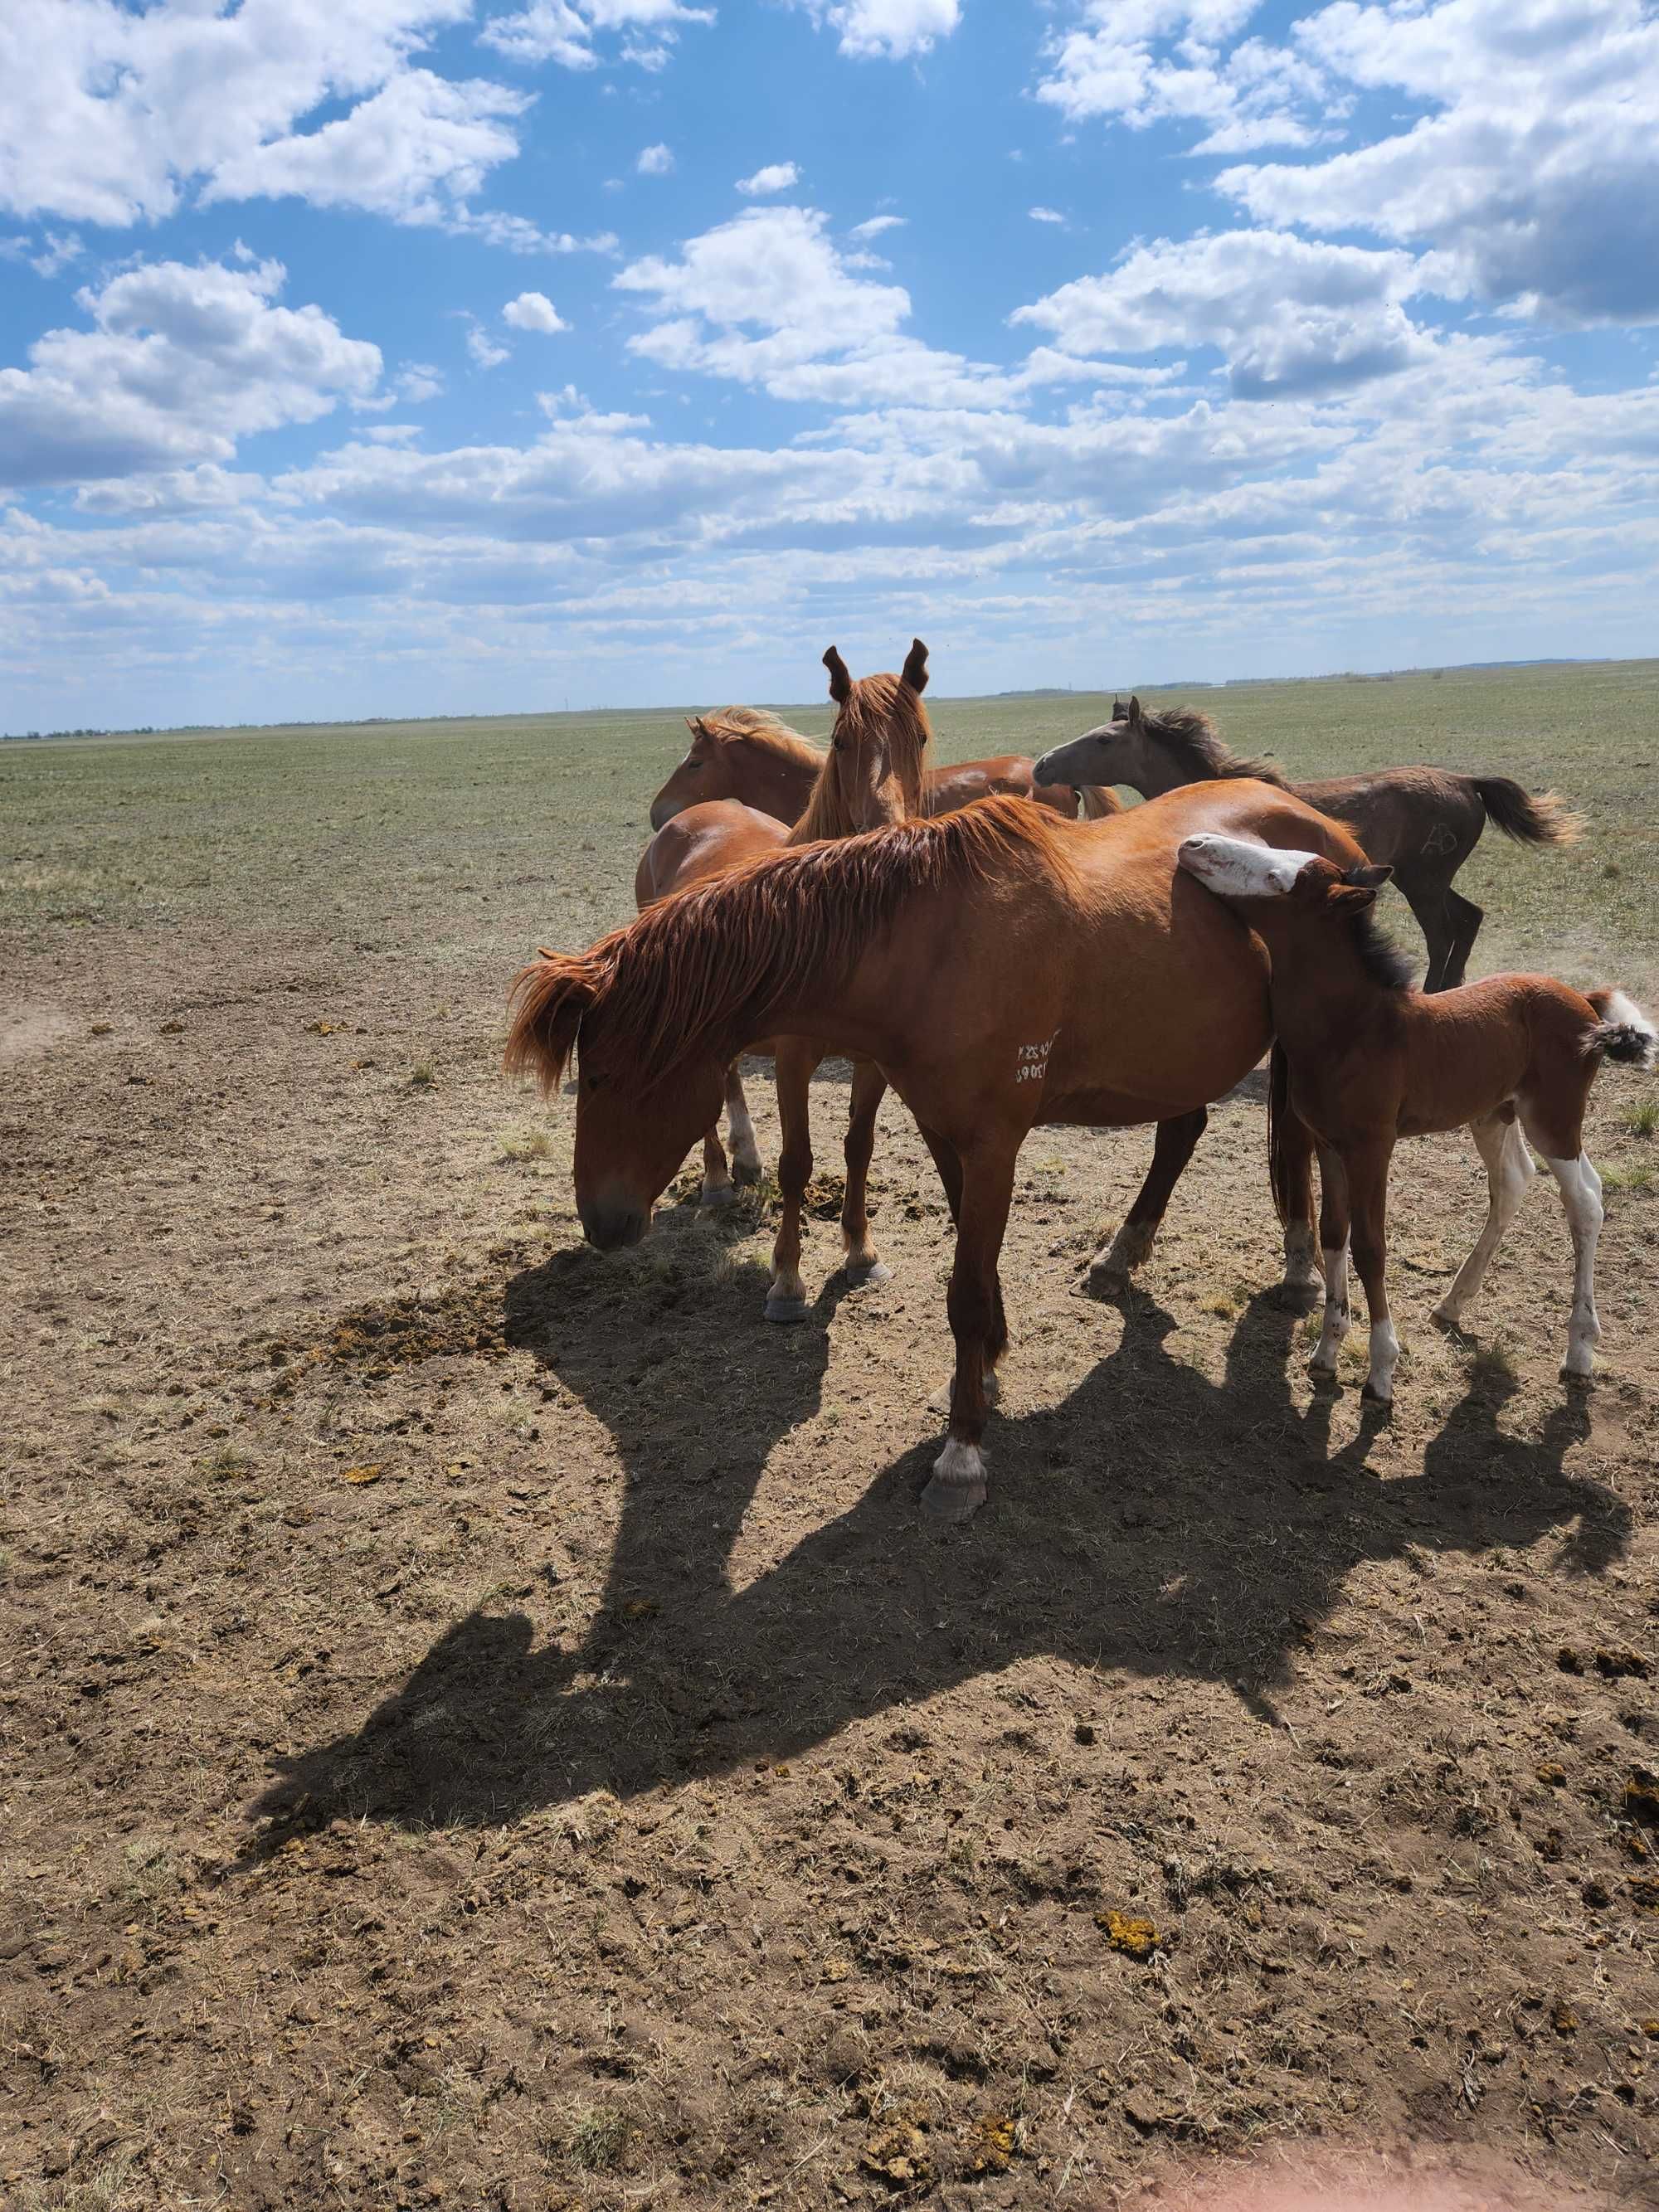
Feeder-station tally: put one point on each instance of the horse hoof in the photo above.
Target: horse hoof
(1321, 1376)
(721, 1194)
(1443, 1317)
(786, 1310)
(958, 1488)
(1104, 1281)
(1301, 1292)
(1373, 1397)
(864, 1279)
(747, 1171)
(1584, 1375)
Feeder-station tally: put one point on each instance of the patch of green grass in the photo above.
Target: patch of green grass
(530, 1144)
(1639, 1177)
(422, 1075)
(1644, 1119)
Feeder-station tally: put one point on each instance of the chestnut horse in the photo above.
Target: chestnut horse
(1371, 1061)
(872, 774)
(1004, 968)
(1422, 822)
(747, 754)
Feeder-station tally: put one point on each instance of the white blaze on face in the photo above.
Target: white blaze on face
(1239, 867)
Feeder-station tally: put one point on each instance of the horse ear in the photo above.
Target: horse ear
(841, 684)
(1119, 710)
(1132, 717)
(916, 665)
(697, 726)
(1367, 878)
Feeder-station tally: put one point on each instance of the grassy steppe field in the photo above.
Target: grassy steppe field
(487, 1726)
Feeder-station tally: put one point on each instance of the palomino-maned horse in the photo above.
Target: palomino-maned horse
(871, 775)
(747, 754)
(1423, 822)
(1371, 1061)
(1002, 967)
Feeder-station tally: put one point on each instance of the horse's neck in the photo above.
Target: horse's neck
(1153, 771)
(785, 786)
(1320, 988)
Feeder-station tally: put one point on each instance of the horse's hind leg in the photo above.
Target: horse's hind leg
(786, 1299)
(745, 1153)
(1295, 1146)
(1465, 919)
(869, 1089)
(957, 1488)
(716, 1175)
(1113, 1265)
(1429, 902)
(1581, 1195)
(1509, 1170)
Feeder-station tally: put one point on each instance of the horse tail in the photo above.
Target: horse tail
(1545, 820)
(548, 1001)
(1099, 799)
(1624, 1032)
(1280, 1174)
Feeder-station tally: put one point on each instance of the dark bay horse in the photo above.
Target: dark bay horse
(1423, 822)
(1371, 1060)
(871, 773)
(1004, 968)
(747, 754)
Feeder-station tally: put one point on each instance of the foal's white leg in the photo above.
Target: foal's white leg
(1323, 1361)
(1581, 1195)
(1510, 1168)
(1301, 1268)
(1384, 1351)
(745, 1152)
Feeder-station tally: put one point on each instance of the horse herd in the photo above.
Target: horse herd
(966, 940)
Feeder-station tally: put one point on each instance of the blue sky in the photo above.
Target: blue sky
(447, 355)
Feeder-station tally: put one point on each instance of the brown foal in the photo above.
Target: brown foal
(1371, 1060)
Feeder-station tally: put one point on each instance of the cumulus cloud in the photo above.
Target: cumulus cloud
(1289, 315)
(776, 176)
(180, 362)
(655, 162)
(1141, 61)
(107, 113)
(565, 31)
(887, 30)
(1536, 178)
(533, 311)
(1046, 215)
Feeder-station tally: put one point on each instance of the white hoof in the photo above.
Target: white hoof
(714, 1194)
(957, 1489)
(868, 1274)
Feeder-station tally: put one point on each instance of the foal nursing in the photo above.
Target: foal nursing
(1371, 1061)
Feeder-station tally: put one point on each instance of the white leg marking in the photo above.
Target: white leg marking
(958, 1488)
(1581, 1195)
(745, 1152)
(1301, 1268)
(1336, 1314)
(1510, 1168)
(1116, 1261)
(1385, 1353)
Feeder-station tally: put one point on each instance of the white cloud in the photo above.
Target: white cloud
(655, 162)
(533, 311)
(776, 176)
(887, 30)
(875, 224)
(181, 363)
(564, 31)
(1289, 315)
(413, 151)
(1046, 215)
(486, 353)
(1536, 179)
(1157, 61)
(418, 381)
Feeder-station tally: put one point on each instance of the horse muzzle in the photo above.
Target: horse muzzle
(611, 1228)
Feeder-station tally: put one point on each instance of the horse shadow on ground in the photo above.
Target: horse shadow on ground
(1155, 1523)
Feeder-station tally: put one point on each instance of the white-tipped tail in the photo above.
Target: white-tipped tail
(1624, 1032)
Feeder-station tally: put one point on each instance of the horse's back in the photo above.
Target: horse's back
(699, 841)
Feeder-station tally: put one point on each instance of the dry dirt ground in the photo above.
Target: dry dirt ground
(487, 1726)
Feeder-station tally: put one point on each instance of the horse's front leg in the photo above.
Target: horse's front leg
(1368, 1197)
(1333, 1249)
(745, 1152)
(1114, 1264)
(869, 1089)
(786, 1298)
(957, 1488)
